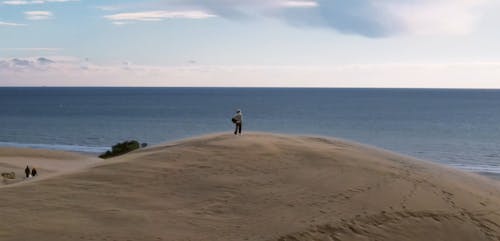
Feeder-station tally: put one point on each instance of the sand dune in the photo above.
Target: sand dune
(255, 187)
(48, 163)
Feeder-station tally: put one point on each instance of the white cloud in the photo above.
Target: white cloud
(299, 4)
(16, 2)
(371, 18)
(437, 17)
(177, 10)
(38, 15)
(120, 23)
(9, 24)
(25, 2)
(108, 8)
(32, 49)
(60, 1)
(70, 71)
(120, 18)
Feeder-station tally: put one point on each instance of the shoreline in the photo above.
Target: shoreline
(57, 147)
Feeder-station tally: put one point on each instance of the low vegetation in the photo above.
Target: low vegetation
(9, 175)
(122, 148)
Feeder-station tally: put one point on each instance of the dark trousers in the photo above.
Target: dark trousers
(238, 128)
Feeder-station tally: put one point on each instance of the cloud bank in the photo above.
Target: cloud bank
(70, 71)
(371, 18)
(31, 49)
(123, 18)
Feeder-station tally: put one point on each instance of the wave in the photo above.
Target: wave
(60, 147)
(481, 168)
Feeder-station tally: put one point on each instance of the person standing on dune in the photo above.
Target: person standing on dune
(238, 121)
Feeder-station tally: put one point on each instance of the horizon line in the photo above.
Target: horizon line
(256, 87)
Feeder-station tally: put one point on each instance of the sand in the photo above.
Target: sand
(254, 187)
(47, 162)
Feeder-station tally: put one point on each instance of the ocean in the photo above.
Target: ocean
(460, 128)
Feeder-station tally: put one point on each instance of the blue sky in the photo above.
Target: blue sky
(290, 43)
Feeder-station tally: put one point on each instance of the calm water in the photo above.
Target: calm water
(455, 127)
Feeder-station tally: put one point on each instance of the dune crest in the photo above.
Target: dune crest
(255, 187)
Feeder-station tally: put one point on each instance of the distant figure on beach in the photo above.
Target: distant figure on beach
(33, 172)
(27, 171)
(238, 121)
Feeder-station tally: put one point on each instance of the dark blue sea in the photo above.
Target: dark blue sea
(460, 128)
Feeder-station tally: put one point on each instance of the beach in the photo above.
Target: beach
(258, 186)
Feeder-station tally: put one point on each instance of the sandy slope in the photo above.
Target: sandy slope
(255, 187)
(47, 162)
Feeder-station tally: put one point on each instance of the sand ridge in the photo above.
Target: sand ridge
(255, 187)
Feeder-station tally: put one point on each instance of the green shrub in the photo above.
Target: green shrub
(9, 175)
(120, 149)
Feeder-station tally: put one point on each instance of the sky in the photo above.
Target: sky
(251, 43)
